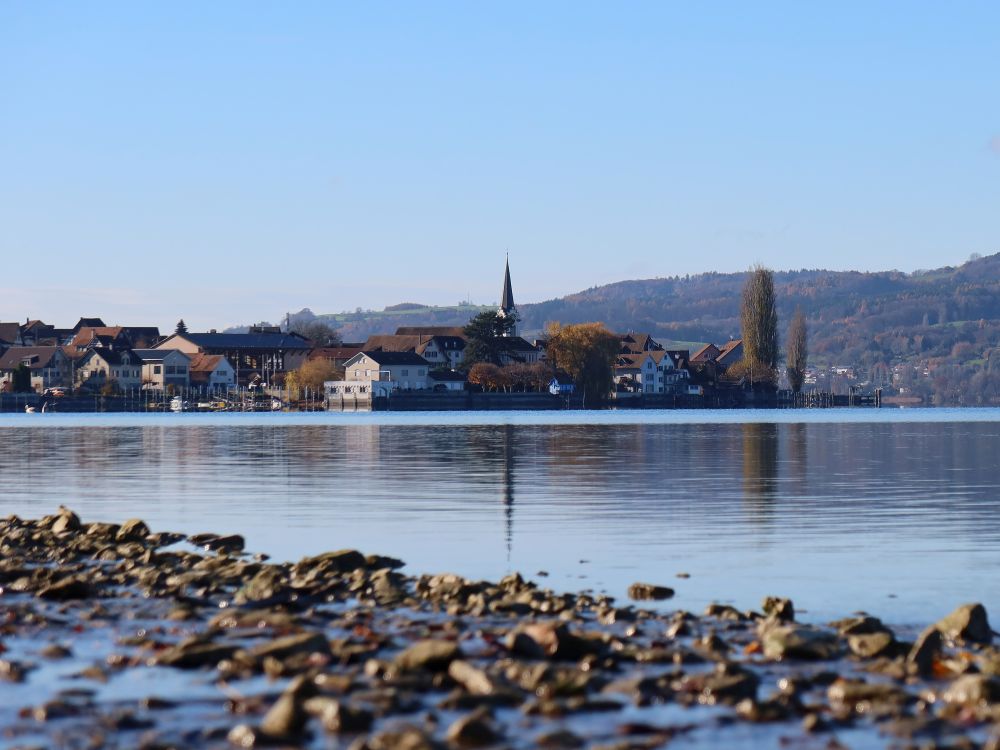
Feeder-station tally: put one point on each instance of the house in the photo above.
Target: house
(655, 371)
(49, 366)
(380, 373)
(440, 350)
(211, 372)
(637, 343)
(446, 380)
(164, 367)
(724, 356)
(261, 352)
(335, 355)
(87, 323)
(562, 385)
(10, 335)
(36, 333)
(100, 366)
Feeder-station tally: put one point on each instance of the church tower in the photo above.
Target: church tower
(507, 308)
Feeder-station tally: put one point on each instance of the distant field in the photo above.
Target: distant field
(347, 317)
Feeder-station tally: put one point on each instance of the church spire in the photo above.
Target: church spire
(507, 298)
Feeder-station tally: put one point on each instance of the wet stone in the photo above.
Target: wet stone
(870, 645)
(779, 608)
(649, 592)
(473, 730)
(432, 655)
(973, 690)
(967, 623)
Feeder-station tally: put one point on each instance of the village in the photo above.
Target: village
(126, 367)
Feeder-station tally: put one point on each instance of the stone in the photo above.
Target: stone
(779, 608)
(925, 651)
(288, 717)
(432, 655)
(870, 645)
(798, 642)
(649, 592)
(194, 655)
(339, 717)
(404, 738)
(967, 623)
(133, 530)
(289, 645)
(66, 520)
(72, 587)
(550, 640)
(473, 730)
(856, 695)
(473, 679)
(973, 690)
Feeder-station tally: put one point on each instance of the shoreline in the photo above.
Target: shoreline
(341, 647)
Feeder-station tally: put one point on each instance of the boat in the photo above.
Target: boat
(178, 404)
(29, 409)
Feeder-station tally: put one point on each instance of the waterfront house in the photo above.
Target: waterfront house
(335, 355)
(49, 366)
(211, 373)
(261, 352)
(164, 367)
(101, 366)
(723, 357)
(380, 373)
(562, 385)
(438, 350)
(637, 343)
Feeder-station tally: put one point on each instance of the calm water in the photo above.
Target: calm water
(894, 512)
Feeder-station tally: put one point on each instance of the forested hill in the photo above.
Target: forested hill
(855, 318)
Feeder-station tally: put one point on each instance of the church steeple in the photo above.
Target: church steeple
(507, 298)
(507, 308)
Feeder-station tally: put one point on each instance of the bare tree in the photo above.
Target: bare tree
(796, 351)
(759, 324)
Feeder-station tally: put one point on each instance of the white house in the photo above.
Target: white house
(380, 373)
(100, 366)
(211, 372)
(164, 367)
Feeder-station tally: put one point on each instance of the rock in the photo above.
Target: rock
(404, 738)
(194, 655)
(72, 587)
(339, 717)
(66, 520)
(559, 739)
(728, 684)
(473, 730)
(289, 645)
(288, 717)
(231, 543)
(798, 642)
(543, 640)
(967, 623)
(779, 608)
(870, 645)
(242, 735)
(649, 591)
(474, 680)
(133, 530)
(925, 651)
(973, 690)
(431, 655)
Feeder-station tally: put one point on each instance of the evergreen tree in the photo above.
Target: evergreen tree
(489, 338)
(181, 326)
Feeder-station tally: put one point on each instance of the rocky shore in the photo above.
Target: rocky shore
(117, 636)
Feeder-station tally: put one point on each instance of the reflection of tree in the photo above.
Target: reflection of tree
(760, 463)
(798, 457)
(508, 486)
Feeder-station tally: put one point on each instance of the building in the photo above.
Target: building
(439, 350)
(653, 372)
(441, 381)
(724, 356)
(49, 367)
(211, 373)
(380, 373)
(507, 307)
(101, 366)
(335, 355)
(164, 367)
(258, 354)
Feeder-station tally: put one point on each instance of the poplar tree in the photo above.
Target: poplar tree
(796, 351)
(759, 325)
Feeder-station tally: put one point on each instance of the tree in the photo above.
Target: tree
(315, 372)
(488, 338)
(487, 376)
(21, 381)
(759, 325)
(317, 331)
(796, 351)
(586, 352)
(181, 326)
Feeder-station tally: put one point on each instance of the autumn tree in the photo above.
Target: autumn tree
(312, 374)
(586, 352)
(488, 338)
(487, 376)
(759, 325)
(796, 351)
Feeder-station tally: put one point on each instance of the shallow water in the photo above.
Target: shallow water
(890, 511)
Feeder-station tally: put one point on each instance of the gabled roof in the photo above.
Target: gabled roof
(729, 346)
(111, 356)
(10, 333)
(88, 323)
(35, 356)
(157, 355)
(205, 362)
(393, 358)
(230, 341)
(335, 352)
(707, 353)
(518, 344)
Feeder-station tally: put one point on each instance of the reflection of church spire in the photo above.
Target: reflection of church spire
(508, 487)
(507, 308)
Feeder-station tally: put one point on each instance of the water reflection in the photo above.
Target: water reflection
(908, 505)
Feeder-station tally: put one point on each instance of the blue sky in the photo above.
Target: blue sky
(227, 161)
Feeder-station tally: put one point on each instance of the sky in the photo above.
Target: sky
(225, 162)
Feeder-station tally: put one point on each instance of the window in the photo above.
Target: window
(406, 373)
(421, 372)
(157, 369)
(171, 370)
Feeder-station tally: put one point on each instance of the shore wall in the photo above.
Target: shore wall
(468, 402)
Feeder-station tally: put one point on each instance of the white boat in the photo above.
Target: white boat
(178, 404)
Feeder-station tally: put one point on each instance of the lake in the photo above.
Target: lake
(889, 511)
